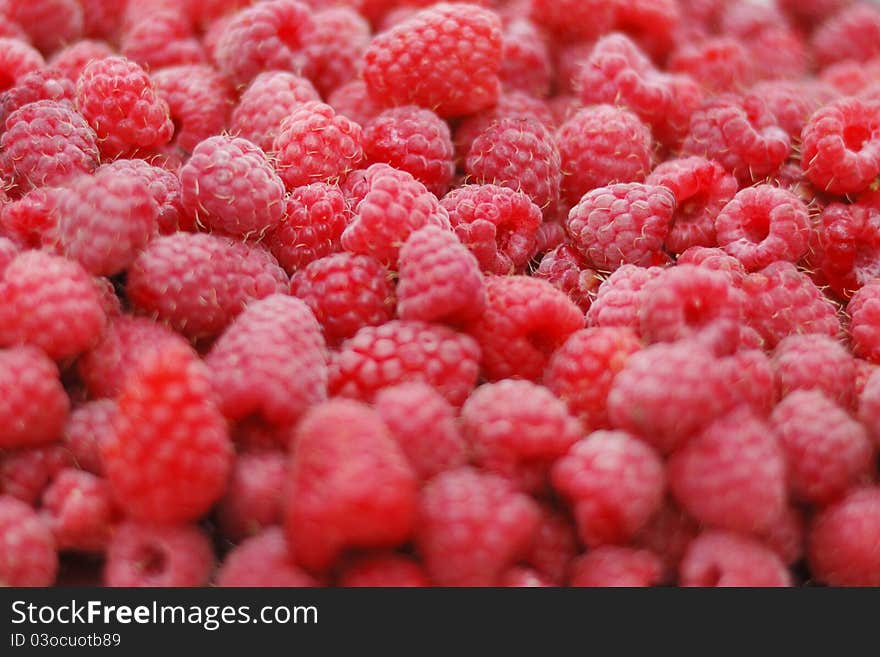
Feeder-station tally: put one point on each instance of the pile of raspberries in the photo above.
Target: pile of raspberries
(400, 293)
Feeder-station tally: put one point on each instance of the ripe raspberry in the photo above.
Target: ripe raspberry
(853, 33)
(842, 544)
(46, 143)
(624, 223)
(229, 185)
(869, 406)
(498, 225)
(845, 245)
(337, 46)
(652, 23)
(120, 102)
(701, 188)
(792, 102)
(400, 352)
(170, 455)
(49, 23)
(619, 299)
(525, 321)
(565, 269)
(33, 403)
(40, 84)
(87, 428)
(573, 19)
(79, 511)
(863, 311)
(720, 558)
(164, 186)
(732, 475)
(267, 36)
(445, 58)
(346, 292)
(26, 473)
(815, 362)
(472, 527)
(718, 64)
(28, 556)
(383, 569)
(749, 378)
(17, 59)
(525, 62)
(841, 146)
(263, 560)
(147, 555)
(160, 38)
(253, 496)
(267, 101)
(199, 283)
(349, 485)
(614, 566)
(72, 59)
(353, 100)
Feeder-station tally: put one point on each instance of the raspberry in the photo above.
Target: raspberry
(749, 378)
(40, 84)
(87, 428)
(26, 473)
(863, 312)
(622, 224)
(815, 362)
(525, 63)
(49, 23)
(28, 556)
(718, 64)
(72, 59)
(385, 570)
(170, 455)
(439, 279)
(160, 38)
(414, 140)
(652, 23)
(229, 185)
(792, 102)
(164, 186)
(565, 269)
(405, 351)
(263, 560)
(853, 33)
(445, 58)
(270, 361)
(525, 321)
(46, 143)
(337, 47)
(845, 245)
(353, 100)
(842, 543)
(619, 299)
(199, 283)
(554, 547)
(498, 225)
(33, 403)
(667, 535)
(346, 292)
(121, 103)
(827, 452)
(253, 496)
(79, 511)
(720, 558)
(349, 485)
(17, 59)
(732, 475)
(267, 101)
(573, 19)
(787, 536)
(869, 406)
(267, 36)
(389, 205)
(841, 146)
(614, 566)
(140, 554)
(701, 188)
(472, 527)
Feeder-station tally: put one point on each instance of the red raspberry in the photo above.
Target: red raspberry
(827, 452)
(614, 566)
(863, 372)
(253, 496)
(445, 58)
(199, 283)
(652, 23)
(140, 554)
(732, 475)
(28, 556)
(601, 145)
(400, 352)
(164, 186)
(337, 46)
(33, 403)
(271, 361)
(842, 544)
(718, 64)
(863, 310)
(170, 455)
(72, 59)
(118, 99)
(566, 270)
(472, 527)
(720, 558)
(230, 186)
(263, 560)
(349, 485)
(624, 223)
(17, 59)
(792, 102)
(853, 33)
(716, 260)
(845, 245)
(554, 547)
(414, 140)
(386, 570)
(40, 84)
(49, 23)
(46, 143)
(815, 362)
(619, 299)
(498, 225)
(439, 279)
(160, 38)
(668, 534)
(87, 428)
(749, 378)
(353, 100)
(525, 321)
(79, 511)
(573, 19)
(841, 146)
(267, 36)
(26, 473)
(701, 188)
(346, 292)
(525, 63)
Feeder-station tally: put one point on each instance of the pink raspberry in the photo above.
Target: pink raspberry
(472, 527)
(141, 554)
(164, 186)
(26, 473)
(79, 510)
(405, 351)
(383, 569)
(749, 377)
(863, 310)
(337, 46)
(33, 403)
(715, 259)
(525, 63)
(565, 269)
(198, 283)
(815, 362)
(49, 23)
(17, 59)
(349, 485)
(353, 100)
(853, 33)
(615, 566)
(619, 299)
(28, 556)
(170, 455)
(498, 225)
(229, 185)
(46, 83)
(601, 145)
(444, 58)
(842, 543)
(525, 321)
(72, 59)
(720, 558)
(263, 560)
(554, 547)
(87, 428)
(845, 245)
(701, 188)
(163, 37)
(31, 219)
(732, 475)
(718, 64)
(121, 103)
(573, 19)
(667, 535)
(252, 501)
